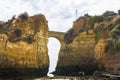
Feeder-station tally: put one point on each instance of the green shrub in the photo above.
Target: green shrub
(95, 19)
(116, 46)
(69, 36)
(87, 15)
(97, 37)
(109, 13)
(117, 21)
(113, 41)
(110, 26)
(114, 33)
(23, 16)
(119, 11)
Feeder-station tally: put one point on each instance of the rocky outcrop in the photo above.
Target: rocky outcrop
(23, 45)
(92, 44)
(78, 26)
(78, 56)
(110, 45)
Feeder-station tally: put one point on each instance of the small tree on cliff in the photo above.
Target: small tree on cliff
(23, 16)
(95, 19)
(119, 11)
(87, 15)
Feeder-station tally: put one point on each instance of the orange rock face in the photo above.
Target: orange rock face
(80, 23)
(23, 44)
(78, 55)
(100, 51)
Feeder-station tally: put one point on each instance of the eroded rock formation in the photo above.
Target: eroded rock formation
(78, 55)
(23, 45)
(92, 44)
(110, 39)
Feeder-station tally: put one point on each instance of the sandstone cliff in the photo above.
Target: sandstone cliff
(78, 55)
(111, 44)
(91, 44)
(23, 45)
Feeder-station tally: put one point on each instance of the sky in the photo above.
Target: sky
(59, 13)
(53, 53)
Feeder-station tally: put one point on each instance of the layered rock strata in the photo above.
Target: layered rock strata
(23, 46)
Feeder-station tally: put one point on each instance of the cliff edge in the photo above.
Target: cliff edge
(23, 46)
(93, 43)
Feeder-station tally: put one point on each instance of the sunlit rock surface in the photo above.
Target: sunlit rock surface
(78, 56)
(107, 49)
(23, 45)
(93, 43)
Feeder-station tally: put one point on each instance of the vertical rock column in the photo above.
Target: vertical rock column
(42, 40)
(3, 54)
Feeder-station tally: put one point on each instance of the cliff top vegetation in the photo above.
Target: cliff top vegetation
(106, 26)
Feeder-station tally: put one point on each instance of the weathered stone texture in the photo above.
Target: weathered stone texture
(28, 47)
(78, 55)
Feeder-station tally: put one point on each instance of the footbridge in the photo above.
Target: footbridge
(57, 35)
